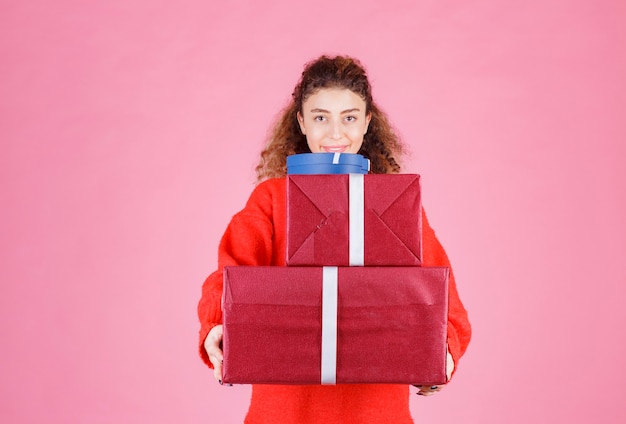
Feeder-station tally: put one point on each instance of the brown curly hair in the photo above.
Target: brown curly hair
(380, 144)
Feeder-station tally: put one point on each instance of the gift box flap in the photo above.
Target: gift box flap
(300, 290)
(363, 289)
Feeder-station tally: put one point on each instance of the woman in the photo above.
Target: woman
(332, 110)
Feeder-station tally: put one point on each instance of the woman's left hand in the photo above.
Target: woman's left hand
(431, 390)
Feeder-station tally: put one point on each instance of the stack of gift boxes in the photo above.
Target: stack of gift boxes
(353, 304)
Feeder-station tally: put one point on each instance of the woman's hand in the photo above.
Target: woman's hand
(212, 345)
(431, 390)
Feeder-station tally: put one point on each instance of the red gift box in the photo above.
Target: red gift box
(390, 325)
(351, 219)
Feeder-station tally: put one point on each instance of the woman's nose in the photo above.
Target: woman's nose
(336, 130)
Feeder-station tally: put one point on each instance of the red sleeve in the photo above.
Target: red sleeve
(248, 240)
(459, 329)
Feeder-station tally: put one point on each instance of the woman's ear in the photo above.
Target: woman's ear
(301, 122)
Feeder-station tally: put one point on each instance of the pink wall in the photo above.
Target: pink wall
(121, 122)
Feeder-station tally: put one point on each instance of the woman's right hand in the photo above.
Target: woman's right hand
(212, 345)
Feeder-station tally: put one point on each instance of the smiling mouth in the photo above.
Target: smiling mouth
(334, 149)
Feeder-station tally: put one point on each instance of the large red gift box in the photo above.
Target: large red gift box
(328, 325)
(351, 219)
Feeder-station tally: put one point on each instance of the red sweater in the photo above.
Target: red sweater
(256, 236)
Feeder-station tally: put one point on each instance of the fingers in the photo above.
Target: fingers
(212, 346)
(429, 390)
(449, 365)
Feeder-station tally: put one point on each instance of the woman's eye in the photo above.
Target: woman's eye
(319, 118)
(350, 118)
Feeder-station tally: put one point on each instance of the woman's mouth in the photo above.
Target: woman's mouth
(334, 149)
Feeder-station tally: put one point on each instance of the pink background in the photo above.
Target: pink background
(129, 134)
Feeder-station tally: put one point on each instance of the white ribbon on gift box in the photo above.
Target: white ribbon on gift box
(329, 325)
(356, 205)
(357, 220)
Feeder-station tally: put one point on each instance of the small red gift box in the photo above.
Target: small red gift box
(314, 325)
(351, 219)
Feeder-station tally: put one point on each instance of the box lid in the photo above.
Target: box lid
(327, 163)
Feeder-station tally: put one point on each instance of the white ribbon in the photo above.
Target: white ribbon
(336, 157)
(329, 325)
(357, 225)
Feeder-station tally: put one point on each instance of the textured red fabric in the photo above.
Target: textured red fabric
(256, 236)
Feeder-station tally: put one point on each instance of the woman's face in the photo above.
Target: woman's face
(334, 120)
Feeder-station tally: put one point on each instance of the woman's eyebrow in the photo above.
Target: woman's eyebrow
(318, 110)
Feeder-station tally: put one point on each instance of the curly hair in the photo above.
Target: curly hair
(380, 145)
